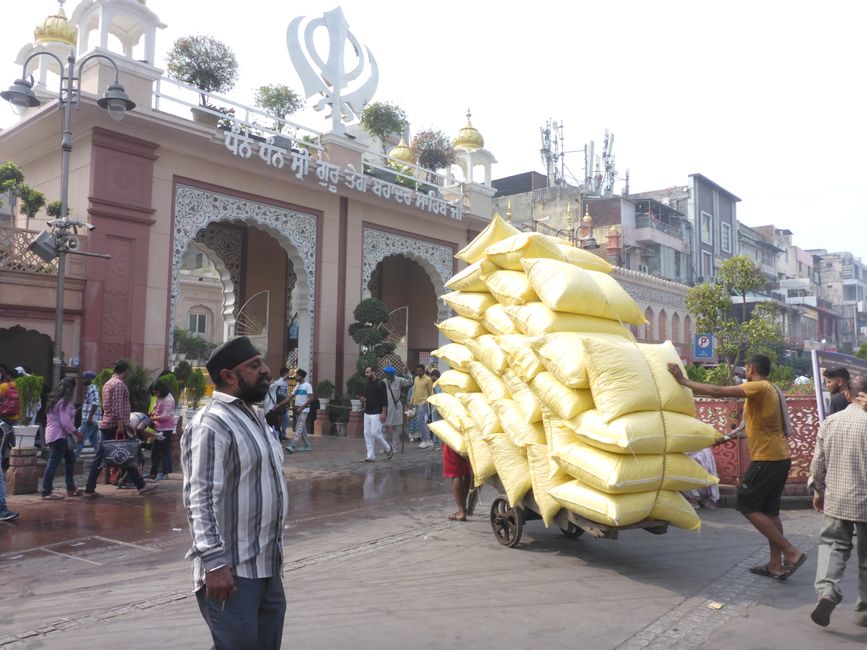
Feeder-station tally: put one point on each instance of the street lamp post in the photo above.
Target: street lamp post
(20, 95)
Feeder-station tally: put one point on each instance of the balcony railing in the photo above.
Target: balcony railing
(15, 256)
(643, 221)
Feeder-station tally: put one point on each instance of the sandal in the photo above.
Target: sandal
(75, 492)
(52, 497)
(763, 570)
(456, 517)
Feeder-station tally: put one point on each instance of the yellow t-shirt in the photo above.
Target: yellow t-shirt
(422, 388)
(764, 422)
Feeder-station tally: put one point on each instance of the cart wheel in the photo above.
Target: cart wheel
(507, 522)
(572, 531)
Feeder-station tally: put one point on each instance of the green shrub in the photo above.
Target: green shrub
(196, 387)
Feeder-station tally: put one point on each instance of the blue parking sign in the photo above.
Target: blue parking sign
(702, 347)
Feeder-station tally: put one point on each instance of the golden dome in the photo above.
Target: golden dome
(469, 138)
(402, 152)
(587, 218)
(56, 29)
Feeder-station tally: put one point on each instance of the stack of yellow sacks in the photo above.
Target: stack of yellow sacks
(548, 389)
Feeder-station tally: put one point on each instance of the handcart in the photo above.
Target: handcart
(508, 522)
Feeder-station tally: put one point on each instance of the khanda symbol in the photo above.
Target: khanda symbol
(339, 85)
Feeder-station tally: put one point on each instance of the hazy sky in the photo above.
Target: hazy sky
(764, 98)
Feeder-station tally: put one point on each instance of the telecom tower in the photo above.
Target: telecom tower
(552, 152)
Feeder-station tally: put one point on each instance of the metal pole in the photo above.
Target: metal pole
(66, 104)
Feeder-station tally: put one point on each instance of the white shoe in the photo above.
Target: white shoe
(424, 445)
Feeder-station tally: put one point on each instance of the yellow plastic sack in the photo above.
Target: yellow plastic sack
(450, 436)
(608, 472)
(522, 358)
(558, 435)
(609, 509)
(569, 288)
(584, 259)
(512, 467)
(515, 426)
(481, 458)
(471, 304)
(624, 473)
(456, 355)
(486, 350)
(673, 396)
(495, 231)
(491, 385)
(451, 408)
(673, 508)
(562, 354)
(543, 479)
(508, 253)
(620, 379)
(470, 278)
(455, 381)
(528, 406)
(644, 432)
(510, 287)
(535, 319)
(481, 412)
(461, 328)
(565, 402)
(497, 321)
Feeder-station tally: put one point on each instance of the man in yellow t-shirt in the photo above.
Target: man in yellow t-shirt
(761, 488)
(422, 388)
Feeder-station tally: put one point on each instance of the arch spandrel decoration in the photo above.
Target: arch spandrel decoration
(226, 245)
(196, 208)
(436, 259)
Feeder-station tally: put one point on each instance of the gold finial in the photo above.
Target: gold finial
(56, 29)
(587, 218)
(569, 217)
(509, 211)
(402, 152)
(469, 138)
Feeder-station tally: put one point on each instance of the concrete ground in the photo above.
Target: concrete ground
(372, 562)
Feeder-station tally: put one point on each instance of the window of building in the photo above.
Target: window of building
(707, 266)
(675, 329)
(648, 328)
(706, 228)
(198, 323)
(849, 292)
(663, 326)
(725, 238)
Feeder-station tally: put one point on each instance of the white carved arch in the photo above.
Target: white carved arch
(296, 232)
(229, 288)
(436, 259)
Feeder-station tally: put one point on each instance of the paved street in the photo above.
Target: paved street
(371, 562)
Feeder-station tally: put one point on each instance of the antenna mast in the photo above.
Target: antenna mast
(552, 152)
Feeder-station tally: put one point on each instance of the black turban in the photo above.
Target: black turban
(230, 354)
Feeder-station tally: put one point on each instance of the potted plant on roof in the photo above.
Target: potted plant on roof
(281, 101)
(209, 65)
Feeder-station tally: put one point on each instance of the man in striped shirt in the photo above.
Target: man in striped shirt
(236, 502)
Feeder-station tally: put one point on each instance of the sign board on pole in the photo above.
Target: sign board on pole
(822, 360)
(703, 347)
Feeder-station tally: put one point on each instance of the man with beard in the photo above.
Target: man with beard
(236, 502)
(837, 383)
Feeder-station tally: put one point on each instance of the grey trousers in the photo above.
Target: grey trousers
(835, 546)
(252, 619)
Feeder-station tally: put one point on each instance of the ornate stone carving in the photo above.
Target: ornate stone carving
(436, 259)
(227, 243)
(196, 209)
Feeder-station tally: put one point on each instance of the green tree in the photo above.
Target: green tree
(203, 62)
(740, 276)
(370, 315)
(433, 149)
(196, 387)
(862, 351)
(32, 201)
(54, 207)
(11, 177)
(192, 345)
(712, 305)
(382, 119)
(279, 100)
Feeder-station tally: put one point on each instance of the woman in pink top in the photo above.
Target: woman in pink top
(163, 418)
(59, 428)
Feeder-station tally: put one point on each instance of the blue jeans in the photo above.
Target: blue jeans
(89, 433)
(2, 490)
(59, 450)
(251, 619)
(421, 414)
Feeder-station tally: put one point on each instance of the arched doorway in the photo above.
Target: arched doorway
(275, 251)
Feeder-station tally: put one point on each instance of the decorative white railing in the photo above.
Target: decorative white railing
(15, 256)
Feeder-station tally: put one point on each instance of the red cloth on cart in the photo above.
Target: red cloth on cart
(455, 465)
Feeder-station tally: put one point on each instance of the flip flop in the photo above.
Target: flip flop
(52, 497)
(791, 567)
(763, 570)
(456, 517)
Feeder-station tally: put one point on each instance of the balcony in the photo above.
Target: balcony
(649, 230)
